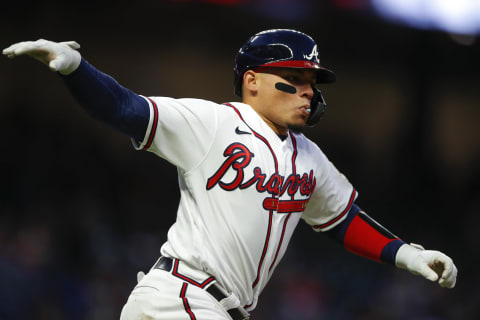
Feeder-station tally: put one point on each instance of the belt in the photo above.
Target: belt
(165, 263)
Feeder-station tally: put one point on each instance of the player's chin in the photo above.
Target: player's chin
(298, 120)
(298, 126)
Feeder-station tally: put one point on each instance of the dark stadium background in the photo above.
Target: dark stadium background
(81, 212)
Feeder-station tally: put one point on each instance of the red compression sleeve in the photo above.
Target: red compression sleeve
(367, 238)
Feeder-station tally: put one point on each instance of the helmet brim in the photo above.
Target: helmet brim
(323, 74)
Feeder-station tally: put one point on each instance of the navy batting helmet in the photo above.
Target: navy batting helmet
(283, 48)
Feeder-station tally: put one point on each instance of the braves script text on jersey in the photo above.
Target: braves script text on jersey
(243, 189)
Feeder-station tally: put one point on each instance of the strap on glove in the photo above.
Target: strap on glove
(432, 265)
(58, 56)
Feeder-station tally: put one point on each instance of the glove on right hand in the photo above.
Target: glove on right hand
(59, 56)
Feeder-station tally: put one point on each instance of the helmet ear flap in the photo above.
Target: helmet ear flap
(317, 106)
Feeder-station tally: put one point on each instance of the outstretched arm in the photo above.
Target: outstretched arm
(102, 96)
(362, 235)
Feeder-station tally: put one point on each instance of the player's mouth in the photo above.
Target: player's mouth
(305, 109)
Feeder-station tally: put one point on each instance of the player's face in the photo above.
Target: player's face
(281, 106)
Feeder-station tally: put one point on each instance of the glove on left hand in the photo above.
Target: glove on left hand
(430, 264)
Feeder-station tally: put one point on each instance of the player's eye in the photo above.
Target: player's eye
(294, 79)
(299, 81)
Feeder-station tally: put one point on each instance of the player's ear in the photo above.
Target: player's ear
(250, 82)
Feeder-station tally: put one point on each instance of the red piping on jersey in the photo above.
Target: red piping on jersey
(256, 135)
(270, 215)
(280, 243)
(265, 247)
(294, 170)
(185, 301)
(154, 125)
(187, 279)
(344, 212)
(294, 156)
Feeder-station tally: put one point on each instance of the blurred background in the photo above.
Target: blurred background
(81, 212)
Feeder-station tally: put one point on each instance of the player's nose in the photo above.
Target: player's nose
(306, 91)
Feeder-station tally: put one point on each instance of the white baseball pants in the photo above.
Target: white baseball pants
(161, 295)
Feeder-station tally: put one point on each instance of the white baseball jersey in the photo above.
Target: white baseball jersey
(243, 189)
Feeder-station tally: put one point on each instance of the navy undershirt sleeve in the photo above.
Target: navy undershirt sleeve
(338, 232)
(106, 100)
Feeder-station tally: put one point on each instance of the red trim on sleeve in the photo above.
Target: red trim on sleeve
(363, 239)
(154, 125)
(344, 212)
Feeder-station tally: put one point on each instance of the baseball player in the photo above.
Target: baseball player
(246, 173)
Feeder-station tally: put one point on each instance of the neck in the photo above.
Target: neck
(279, 130)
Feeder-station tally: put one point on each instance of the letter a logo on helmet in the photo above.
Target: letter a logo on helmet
(284, 48)
(313, 55)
